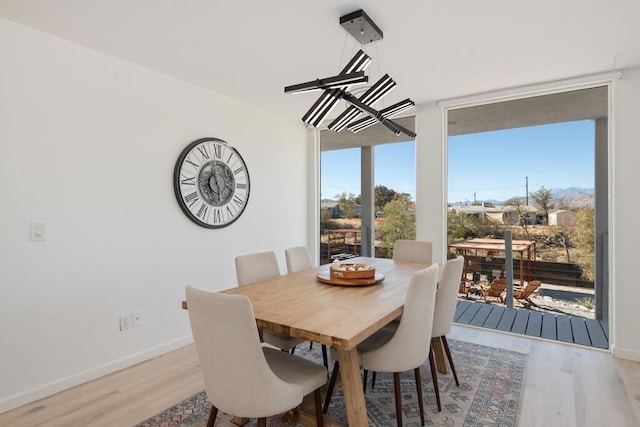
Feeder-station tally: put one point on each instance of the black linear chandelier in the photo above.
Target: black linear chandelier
(334, 88)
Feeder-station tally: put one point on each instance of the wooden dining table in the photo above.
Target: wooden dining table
(299, 305)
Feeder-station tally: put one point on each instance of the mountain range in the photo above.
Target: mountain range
(572, 197)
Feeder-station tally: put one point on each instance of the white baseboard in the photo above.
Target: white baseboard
(623, 353)
(28, 396)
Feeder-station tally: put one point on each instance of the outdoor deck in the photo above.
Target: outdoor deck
(560, 327)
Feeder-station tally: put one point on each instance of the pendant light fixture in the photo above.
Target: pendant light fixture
(334, 88)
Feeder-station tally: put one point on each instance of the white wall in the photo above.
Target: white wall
(624, 178)
(431, 170)
(88, 144)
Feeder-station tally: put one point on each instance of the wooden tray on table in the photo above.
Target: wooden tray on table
(326, 278)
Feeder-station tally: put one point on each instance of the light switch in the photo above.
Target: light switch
(38, 231)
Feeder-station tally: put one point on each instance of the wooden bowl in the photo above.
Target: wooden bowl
(353, 274)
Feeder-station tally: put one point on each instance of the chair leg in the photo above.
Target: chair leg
(262, 422)
(310, 345)
(445, 344)
(373, 380)
(398, 393)
(293, 349)
(434, 377)
(317, 397)
(332, 384)
(212, 416)
(419, 391)
(325, 358)
(364, 381)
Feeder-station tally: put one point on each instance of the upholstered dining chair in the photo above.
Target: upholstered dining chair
(405, 348)
(256, 267)
(298, 259)
(444, 311)
(241, 377)
(413, 251)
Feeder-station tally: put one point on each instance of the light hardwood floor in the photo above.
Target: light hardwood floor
(564, 386)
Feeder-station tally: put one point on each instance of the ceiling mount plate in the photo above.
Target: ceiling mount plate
(361, 27)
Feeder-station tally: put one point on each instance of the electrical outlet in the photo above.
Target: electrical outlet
(125, 322)
(136, 318)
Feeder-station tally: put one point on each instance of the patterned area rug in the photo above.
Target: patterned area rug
(490, 384)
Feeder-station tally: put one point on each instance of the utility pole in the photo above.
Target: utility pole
(526, 184)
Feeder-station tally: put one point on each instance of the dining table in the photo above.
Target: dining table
(300, 305)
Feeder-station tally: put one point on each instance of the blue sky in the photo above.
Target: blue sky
(493, 165)
(394, 166)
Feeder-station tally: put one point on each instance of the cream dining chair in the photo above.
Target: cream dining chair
(409, 251)
(405, 348)
(241, 377)
(254, 268)
(298, 259)
(443, 313)
(445, 309)
(413, 251)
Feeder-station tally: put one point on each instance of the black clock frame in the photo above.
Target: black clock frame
(176, 183)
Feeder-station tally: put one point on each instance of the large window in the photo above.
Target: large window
(341, 202)
(536, 167)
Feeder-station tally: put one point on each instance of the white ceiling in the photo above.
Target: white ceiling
(251, 49)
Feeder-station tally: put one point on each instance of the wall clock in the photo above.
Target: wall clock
(211, 182)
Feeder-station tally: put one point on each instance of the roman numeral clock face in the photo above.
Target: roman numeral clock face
(211, 182)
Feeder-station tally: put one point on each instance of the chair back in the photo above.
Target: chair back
(413, 251)
(447, 296)
(297, 259)
(237, 377)
(256, 267)
(530, 288)
(497, 286)
(409, 346)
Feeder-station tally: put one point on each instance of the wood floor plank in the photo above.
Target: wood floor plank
(461, 307)
(520, 322)
(533, 323)
(506, 322)
(565, 333)
(481, 315)
(579, 328)
(494, 318)
(596, 334)
(469, 314)
(549, 329)
(534, 326)
(605, 328)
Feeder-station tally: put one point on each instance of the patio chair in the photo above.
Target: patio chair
(524, 294)
(494, 290)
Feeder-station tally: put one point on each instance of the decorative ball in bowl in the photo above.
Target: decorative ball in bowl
(353, 271)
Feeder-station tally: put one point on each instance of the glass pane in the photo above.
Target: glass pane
(340, 203)
(395, 189)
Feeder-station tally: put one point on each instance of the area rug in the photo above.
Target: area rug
(490, 384)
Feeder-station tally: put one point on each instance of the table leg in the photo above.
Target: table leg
(441, 364)
(352, 386)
